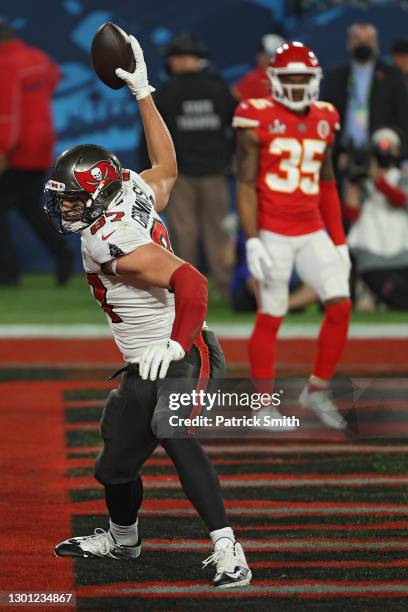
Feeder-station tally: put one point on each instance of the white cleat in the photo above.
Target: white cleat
(321, 403)
(99, 544)
(232, 568)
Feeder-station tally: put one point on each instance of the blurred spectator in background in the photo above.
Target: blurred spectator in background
(256, 83)
(368, 93)
(197, 107)
(377, 207)
(400, 57)
(28, 78)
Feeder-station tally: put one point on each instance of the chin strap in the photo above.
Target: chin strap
(95, 194)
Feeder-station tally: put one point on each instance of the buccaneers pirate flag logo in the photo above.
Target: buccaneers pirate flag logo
(90, 179)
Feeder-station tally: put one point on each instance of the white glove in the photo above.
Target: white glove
(257, 258)
(162, 353)
(136, 81)
(344, 254)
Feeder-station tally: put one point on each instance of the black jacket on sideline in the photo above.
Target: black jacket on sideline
(388, 97)
(197, 108)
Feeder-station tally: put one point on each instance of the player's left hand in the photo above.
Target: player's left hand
(137, 80)
(159, 356)
(344, 254)
(258, 258)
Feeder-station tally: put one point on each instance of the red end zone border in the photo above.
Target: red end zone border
(34, 506)
(295, 355)
(35, 509)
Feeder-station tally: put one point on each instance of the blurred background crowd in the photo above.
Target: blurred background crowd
(202, 63)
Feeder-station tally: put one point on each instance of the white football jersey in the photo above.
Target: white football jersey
(139, 314)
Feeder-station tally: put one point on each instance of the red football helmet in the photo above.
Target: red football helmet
(295, 58)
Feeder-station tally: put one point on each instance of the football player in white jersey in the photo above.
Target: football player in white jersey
(155, 304)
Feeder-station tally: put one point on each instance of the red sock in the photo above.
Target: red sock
(332, 338)
(262, 346)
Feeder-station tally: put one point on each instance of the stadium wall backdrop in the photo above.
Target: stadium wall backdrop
(87, 111)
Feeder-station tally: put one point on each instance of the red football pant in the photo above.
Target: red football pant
(332, 338)
(262, 346)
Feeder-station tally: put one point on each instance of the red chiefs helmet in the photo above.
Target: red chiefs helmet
(295, 58)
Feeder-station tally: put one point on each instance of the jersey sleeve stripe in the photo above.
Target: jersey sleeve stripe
(244, 122)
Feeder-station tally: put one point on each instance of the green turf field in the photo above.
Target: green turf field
(38, 301)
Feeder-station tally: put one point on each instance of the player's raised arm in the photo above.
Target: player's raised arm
(247, 200)
(163, 173)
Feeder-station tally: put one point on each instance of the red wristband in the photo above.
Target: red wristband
(330, 209)
(190, 292)
(394, 195)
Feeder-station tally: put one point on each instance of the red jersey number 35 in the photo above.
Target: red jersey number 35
(299, 166)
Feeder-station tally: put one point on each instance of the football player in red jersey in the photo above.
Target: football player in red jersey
(290, 212)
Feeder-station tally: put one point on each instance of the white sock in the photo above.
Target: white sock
(124, 535)
(221, 538)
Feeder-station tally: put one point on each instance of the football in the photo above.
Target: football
(111, 49)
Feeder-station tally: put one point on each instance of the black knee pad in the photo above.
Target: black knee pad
(108, 470)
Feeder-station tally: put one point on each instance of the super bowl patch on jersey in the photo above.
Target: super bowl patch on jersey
(277, 127)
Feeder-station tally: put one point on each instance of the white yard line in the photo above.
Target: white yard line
(223, 330)
(311, 330)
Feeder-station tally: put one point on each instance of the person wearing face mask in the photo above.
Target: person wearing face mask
(367, 92)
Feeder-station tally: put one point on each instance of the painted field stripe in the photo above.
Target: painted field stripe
(171, 481)
(290, 545)
(275, 448)
(254, 507)
(273, 588)
(326, 563)
(88, 462)
(309, 428)
(83, 426)
(381, 526)
(164, 462)
(169, 507)
(84, 403)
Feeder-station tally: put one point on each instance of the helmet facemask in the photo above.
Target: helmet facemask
(288, 93)
(76, 218)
